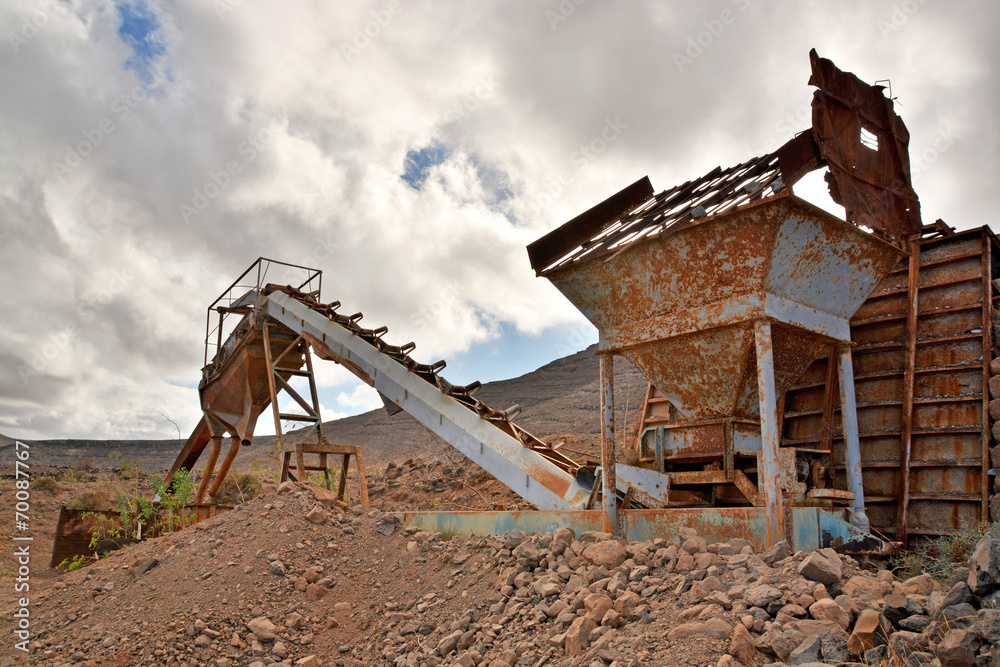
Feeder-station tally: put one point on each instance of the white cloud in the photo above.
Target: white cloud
(361, 399)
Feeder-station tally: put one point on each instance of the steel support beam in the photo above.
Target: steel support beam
(767, 475)
(852, 445)
(909, 380)
(608, 482)
(528, 474)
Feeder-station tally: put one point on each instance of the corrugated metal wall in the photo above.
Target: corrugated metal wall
(924, 341)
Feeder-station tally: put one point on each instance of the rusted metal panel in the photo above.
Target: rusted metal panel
(949, 349)
(810, 527)
(73, 531)
(587, 225)
(871, 181)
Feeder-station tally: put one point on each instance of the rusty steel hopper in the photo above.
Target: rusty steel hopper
(682, 308)
(722, 308)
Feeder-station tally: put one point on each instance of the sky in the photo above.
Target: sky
(151, 151)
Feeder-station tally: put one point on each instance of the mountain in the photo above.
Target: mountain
(560, 400)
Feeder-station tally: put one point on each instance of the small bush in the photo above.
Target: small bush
(46, 484)
(93, 500)
(941, 556)
(238, 488)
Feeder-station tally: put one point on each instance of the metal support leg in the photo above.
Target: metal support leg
(608, 478)
(206, 474)
(852, 446)
(227, 463)
(767, 476)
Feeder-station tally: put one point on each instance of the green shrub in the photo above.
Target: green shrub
(238, 488)
(46, 484)
(96, 499)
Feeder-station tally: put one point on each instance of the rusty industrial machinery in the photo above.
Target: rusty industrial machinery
(724, 291)
(811, 378)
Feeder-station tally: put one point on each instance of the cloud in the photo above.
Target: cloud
(150, 152)
(362, 398)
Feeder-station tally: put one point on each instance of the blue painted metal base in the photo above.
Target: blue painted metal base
(811, 529)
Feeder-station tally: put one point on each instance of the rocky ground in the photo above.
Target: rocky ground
(295, 578)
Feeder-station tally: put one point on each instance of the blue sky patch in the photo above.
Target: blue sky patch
(138, 30)
(418, 163)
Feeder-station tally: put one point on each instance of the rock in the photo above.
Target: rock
(315, 592)
(867, 633)
(957, 594)
(916, 623)
(874, 656)
(277, 568)
(761, 596)
(386, 528)
(903, 644)
(810, 650)
(779, 551)
(897, 607)
(317, 514)
(919, 585)
(611, 619)
(834, 649)
(866, 590)
(780, 641)
(984, 564)
(449, 643)
(143, 566)
(609, 553)
(578, 635)
(958, 648)
(528, 550)
(294, 621)
(742, 646)
(822, 566)
(829, 610)
(958, 615)
(262, 628)
(987, 625)
(715, 627)
(514, 537)
(308, 661)
(279, 649)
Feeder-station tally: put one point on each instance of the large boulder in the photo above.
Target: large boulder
(609, 553)
(822, 566)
